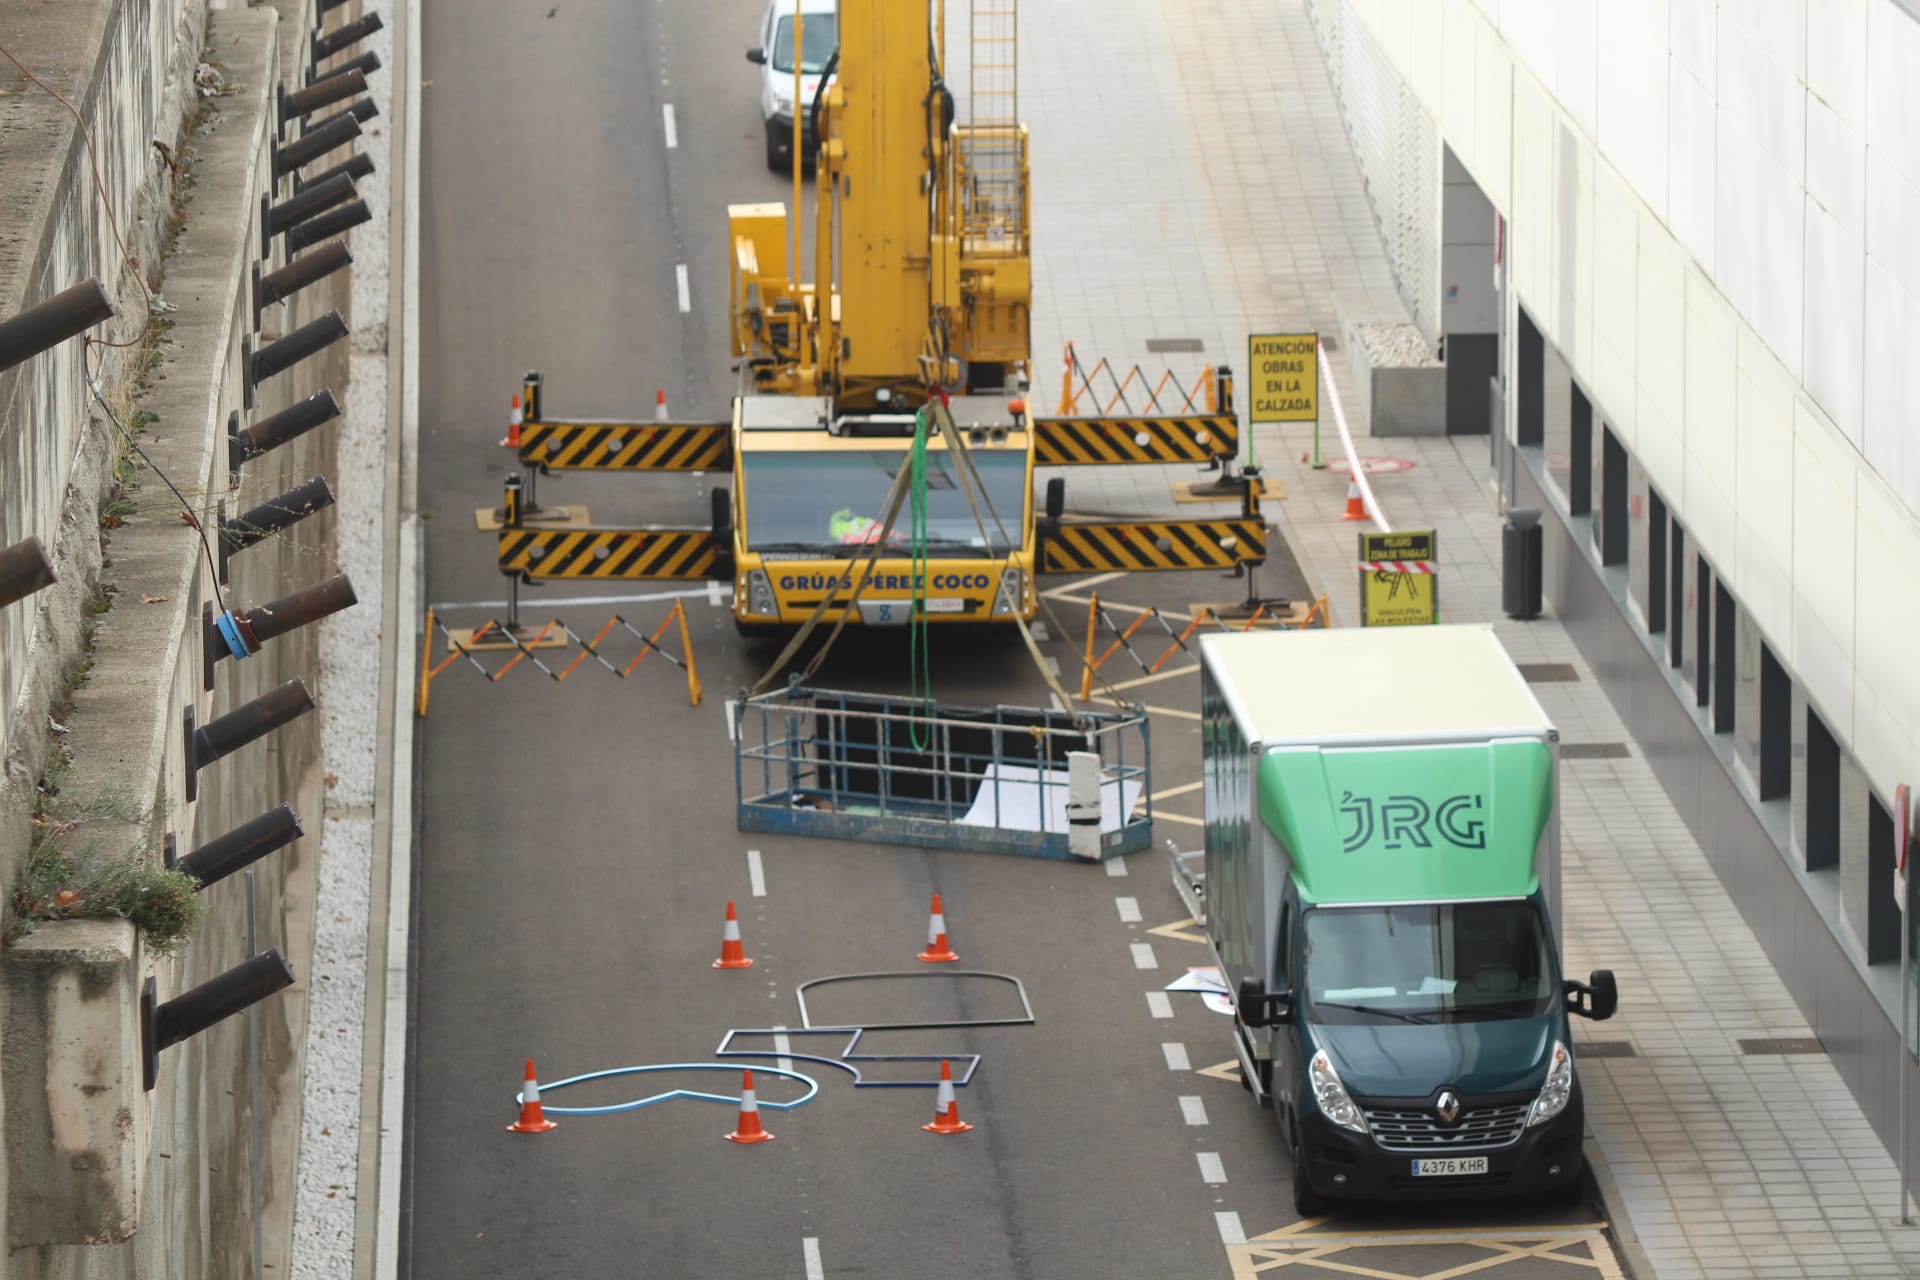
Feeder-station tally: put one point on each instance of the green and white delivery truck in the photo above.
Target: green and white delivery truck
(1381, 889)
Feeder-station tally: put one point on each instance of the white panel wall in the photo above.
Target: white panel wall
(1715, 216)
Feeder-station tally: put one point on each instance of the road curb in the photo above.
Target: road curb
(1606, 1192)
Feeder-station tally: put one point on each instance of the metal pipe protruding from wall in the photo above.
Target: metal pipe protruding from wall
(333, 222)
(269, 621)
(323, 7)
(298, 418)
(321, 93)
(191, 1012)
(277, 286)
(221, 737)
(244, 845)
(311, 199)
(363, 110)
(313, 144)
(282, 354)
(325, 46)
(271, 517)
(66, 314)
(365, 64)
(24, 569)
(356, 166)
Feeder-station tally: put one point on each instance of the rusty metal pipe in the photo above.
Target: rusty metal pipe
(244, 845)
(364, 110)
(309, 604)
(24, 569)
(321, 93)
(366, 64)
(345, 37)
(244, 443)
(272, 516)
(191, 1012)
(66, 314)
(276, 286)
(310, 200)
(331, 223)
(355, 166)
(313, 144)
(283, 353)
(220, 738)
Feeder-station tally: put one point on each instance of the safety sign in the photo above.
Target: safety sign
(1399, 582)
(1285, 368)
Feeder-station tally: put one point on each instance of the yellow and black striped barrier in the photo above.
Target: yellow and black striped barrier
(524, 641)
(1076, 442)
(626, 446)
(610, 554)
(1092, 546)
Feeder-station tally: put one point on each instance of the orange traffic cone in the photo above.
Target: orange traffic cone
(732, 954)
(946, 1108)
(512, 439)
(660, 404)
(532, 1119)
(937, 952)
(749, 1130)
(1356, 505)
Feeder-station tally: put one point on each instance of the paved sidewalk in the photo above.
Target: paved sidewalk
(1217, 196)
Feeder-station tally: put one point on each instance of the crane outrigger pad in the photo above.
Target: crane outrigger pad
(1094, 546)
(612, 554)
(888, 770)
(627, 446)
(1196, 438)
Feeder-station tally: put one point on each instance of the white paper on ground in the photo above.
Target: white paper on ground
(1021, 798)
(1212, 988)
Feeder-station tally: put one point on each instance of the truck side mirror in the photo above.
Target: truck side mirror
(757, 55)
(722, 506)
(1056, 497)
(1596, 998)
(1258, 1009)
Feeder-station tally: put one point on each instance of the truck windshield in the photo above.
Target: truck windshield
(818, 37)
(829, 500)
(1430, 962)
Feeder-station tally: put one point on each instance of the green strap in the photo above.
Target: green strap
(919, 659)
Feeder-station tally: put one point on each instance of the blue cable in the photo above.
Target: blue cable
(731, 1100)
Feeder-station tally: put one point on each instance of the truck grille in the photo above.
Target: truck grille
(1422, 1131)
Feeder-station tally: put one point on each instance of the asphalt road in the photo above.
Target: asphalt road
(578, 840)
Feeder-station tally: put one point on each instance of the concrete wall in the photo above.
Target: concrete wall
(189, 1141)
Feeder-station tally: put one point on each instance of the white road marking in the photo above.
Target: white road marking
(1176, 1054)
(714, 597)
(783, 1046)
(1212, 1172)
(1193, 1109)
(1143, 957)
(686, 291)
(1158, 1004)
(1231, 1232)
(1040, 632)
(756, 875)
(1116, 866)
(1180, 790)
(546, 602)
(733, 720)
(673, 134)
(810, 1250)
(1129, 909)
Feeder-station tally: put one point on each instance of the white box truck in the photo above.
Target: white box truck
(1382, 865)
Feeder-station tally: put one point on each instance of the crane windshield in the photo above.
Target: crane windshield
(827, 501)
(818, 39)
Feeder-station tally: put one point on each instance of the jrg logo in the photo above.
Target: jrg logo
(1408, 821)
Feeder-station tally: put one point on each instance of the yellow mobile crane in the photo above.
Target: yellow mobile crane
(900, 371)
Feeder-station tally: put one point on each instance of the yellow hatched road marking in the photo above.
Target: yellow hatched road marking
(1180, 790)
(1175, 817)
(1321, 1252)
(1181, 929)
(1228, 1070)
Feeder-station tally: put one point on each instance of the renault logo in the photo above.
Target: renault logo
(1447, 1106)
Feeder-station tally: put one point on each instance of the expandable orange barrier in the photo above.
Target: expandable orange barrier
(1098, 617)
(492, 635)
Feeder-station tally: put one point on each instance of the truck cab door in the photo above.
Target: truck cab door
(1285, 1040)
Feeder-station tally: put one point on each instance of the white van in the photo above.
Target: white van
(819, 37)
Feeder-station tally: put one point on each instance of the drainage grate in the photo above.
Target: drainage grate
(1163, 346)
(1791, 1044)
(1606, 1049)
(1548, 672)
(1594, 751)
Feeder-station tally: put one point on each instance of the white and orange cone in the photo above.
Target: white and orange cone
(1356, 505)
(732, 954)
(946, 1108)
(749, 1130)
(532, 1119)
(937, 952)
(660, 404)
(512, 438)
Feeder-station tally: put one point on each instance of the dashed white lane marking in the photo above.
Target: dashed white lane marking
(1129, 909)
(1212, 1172)
(1158, 1004)
(810, 1251)
(1193, 1110)
(1177, 1059)
(1143, 957)
(733, 721)
(1231, 1232)
(685, 290)
(1116, 866)
(673, 134)
(756, 874)
(782, 1046)
(714, 597)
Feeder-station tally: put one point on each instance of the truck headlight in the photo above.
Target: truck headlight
(1331, 1095)
(760, 593)
(1013, 588)
(1555, 1093)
